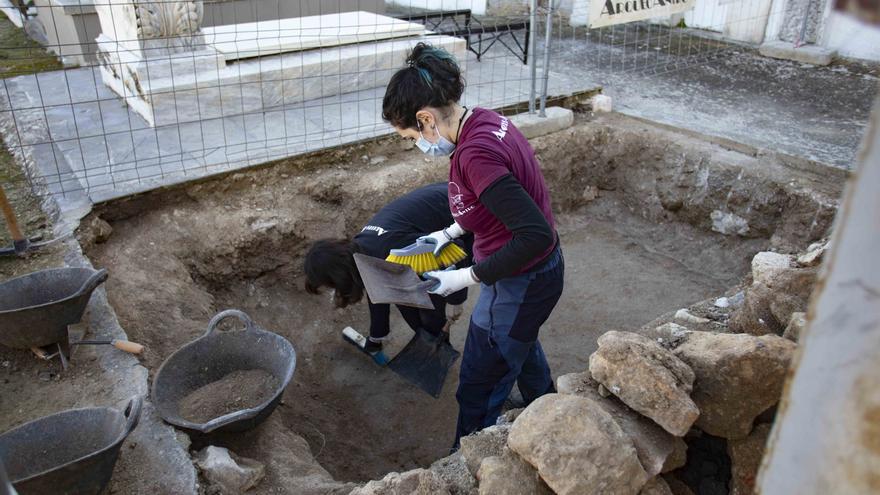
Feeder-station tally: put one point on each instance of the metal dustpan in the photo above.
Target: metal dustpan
(425, 361)
(393, 283)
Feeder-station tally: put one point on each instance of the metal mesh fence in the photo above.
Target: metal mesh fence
(176, 90)
(136, 95)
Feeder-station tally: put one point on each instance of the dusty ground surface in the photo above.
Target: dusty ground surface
(725, 90)
(363, 421)
(643, 248)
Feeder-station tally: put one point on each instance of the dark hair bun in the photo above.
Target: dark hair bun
(432, 78)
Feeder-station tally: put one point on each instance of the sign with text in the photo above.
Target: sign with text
(610, 12)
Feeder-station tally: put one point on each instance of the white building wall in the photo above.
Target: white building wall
(750, 21)
(850, 37)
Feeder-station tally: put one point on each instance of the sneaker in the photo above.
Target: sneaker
(372, 347)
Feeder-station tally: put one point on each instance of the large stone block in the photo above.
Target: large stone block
(647, 378)
(738, 377)
(658, 450)
(805, 54)
(577, 447)
(533, 125)
(210, 76)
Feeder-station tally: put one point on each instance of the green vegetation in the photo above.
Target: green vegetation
(20, 54)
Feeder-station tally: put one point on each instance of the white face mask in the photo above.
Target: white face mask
(443, 147)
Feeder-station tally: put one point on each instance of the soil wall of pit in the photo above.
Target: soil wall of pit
(651, 219)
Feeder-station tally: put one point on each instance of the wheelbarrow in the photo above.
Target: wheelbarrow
(211, 357)
(35, 309)
(72, 452)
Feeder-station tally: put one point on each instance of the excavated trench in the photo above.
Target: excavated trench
(651, 220)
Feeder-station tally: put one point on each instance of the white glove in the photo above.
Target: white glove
(452, 281)
(442, 237)
(454, 312)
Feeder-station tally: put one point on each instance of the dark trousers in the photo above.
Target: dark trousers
(502, 345)
(431, 320)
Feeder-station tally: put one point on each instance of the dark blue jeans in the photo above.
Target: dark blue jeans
(502, 345)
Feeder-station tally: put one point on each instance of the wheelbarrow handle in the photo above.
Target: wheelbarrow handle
(133, 413)
(249, 324)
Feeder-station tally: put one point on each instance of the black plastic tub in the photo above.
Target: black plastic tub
(213, 356)
(36, 308)
(71, 452)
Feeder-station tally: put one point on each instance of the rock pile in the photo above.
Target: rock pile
(687, 410)
(781, 287)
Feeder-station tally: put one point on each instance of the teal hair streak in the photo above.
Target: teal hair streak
(425, 75)
(438, 54)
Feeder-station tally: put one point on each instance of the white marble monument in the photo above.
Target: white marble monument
(170, 70)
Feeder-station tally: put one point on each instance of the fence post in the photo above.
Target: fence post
(547, 36)
(533, 29)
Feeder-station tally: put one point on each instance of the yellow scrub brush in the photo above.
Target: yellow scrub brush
(420, 257)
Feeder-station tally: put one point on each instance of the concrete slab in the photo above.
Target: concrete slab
(533, 125)
(200, 85)
(805, 54)
(255, 39)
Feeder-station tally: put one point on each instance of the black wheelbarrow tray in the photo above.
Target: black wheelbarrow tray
(71, 452)
(211, 357)
(36, 308)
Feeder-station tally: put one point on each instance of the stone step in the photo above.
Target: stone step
(258, 39)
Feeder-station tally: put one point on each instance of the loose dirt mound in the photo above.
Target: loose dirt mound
(238, 390)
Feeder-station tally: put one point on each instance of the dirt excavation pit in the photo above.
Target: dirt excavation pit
(651, 220)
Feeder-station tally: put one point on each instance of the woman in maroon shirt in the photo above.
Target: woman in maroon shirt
(497, 192)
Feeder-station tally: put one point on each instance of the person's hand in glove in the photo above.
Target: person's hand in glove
(452, 280)
(442, 237)
(454, 312)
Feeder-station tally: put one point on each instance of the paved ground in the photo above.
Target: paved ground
(725, 90)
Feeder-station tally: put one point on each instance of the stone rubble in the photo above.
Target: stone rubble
(228, 473)
(814, 254)
(415, 482)
(710, 376)
(685, 316)
(509, 474)
(745, 459)
(488, 442)
(454, 472)
(656, 486)
(795, 326)
(780, 288)
(647, 378)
